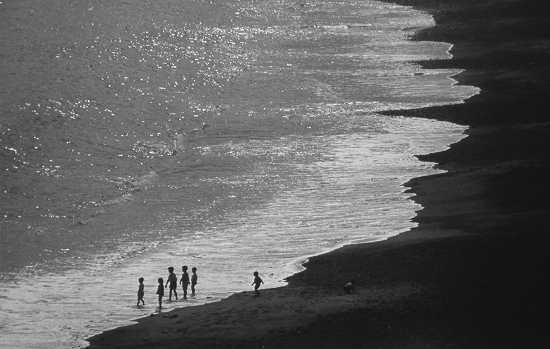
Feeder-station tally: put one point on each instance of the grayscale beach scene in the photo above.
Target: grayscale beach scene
(231, 136)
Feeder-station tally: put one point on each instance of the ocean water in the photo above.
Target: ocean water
(232, 136)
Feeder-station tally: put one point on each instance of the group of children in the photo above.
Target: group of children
(173, 282)
(185, 282)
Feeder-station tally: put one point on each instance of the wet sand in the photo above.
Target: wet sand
(471, 275)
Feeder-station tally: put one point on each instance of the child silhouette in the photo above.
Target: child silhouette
(140, 292)
(184, 281)
(194, 280)
(173, 281)
(160, 291)
(257, 282)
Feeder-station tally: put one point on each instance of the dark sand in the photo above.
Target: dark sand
(471, 275)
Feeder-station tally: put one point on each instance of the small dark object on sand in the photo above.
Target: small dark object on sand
(349, 287)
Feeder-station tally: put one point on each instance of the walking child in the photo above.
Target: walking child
(160, 291)
(257, 282)
(184, 281)
(140, 292)
(173, 282)
(194, 280)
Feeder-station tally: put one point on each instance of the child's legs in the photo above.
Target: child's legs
(184, 286)
(192, 289)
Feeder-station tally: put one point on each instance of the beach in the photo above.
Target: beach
(231, 136)
(471, 274)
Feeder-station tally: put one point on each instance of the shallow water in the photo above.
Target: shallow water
(295, 161)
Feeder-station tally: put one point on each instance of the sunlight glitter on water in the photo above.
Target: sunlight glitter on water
(296, 160)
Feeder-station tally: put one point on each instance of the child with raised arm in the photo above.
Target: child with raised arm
(160, 291)
(140, 292)
(194, 280)
(184, 281)
(173, 281)
(257, 282)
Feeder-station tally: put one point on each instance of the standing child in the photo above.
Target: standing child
(184, 281)
(173, 281)
(140, 292)
(257, 282)
(194, 280)
(160, 291)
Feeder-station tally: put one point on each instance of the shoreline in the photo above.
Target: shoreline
(470, 275)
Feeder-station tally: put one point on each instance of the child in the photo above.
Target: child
(173, 281)
(160, 292)
(140, 292)
(194, 279)
(184, 281)
(257, 282)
